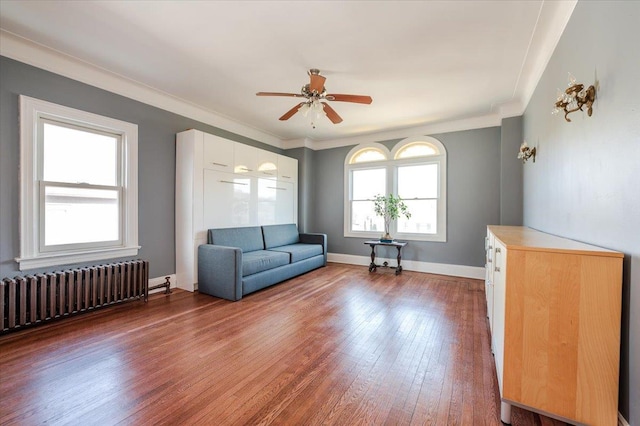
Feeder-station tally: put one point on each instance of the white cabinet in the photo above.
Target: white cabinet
(498, 308)
(489, 244)
(268, 164)
(287, 169)
(245, 159)
(211, 194)
(218, 153)
(226, 200)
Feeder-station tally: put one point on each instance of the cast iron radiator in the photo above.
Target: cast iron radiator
(34, 299)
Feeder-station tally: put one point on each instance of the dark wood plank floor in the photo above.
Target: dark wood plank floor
(334, 346)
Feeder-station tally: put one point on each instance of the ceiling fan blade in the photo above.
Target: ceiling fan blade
(331, 114)
(359, 99)
(293, 95)
(291, 112)
(316, 83)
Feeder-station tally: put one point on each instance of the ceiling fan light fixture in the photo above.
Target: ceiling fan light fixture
(304, 109)
(315, 94)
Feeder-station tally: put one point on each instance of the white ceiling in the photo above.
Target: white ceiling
(422, 62)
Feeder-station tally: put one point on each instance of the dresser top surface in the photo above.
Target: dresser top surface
(520, 237)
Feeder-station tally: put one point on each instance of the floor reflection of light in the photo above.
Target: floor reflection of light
(80, 384)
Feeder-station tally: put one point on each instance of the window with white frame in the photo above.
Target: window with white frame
(415, 170)
(78, 186)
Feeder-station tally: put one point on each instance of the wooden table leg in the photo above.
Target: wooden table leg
(399, 268)
(372, 266)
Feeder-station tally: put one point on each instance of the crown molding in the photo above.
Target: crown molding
(552, 20)
(37, 55)
(481, 122)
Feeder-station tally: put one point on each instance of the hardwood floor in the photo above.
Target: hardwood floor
(335, 346)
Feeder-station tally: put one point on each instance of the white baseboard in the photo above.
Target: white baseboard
(161, 280)
(621, 420)
(475, 272)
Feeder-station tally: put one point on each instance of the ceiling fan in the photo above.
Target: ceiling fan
(315, 94)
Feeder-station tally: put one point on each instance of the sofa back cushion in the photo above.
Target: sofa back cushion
(280, 235)
(247, 238)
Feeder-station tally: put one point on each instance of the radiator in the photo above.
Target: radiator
(35, 299)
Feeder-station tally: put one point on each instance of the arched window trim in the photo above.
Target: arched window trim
(409, 141)
(391, 165)
(358, 148)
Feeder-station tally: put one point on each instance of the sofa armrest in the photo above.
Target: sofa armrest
(312, 238)
(220, 271)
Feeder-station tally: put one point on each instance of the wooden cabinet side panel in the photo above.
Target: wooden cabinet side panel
(513, 334)
(542, 331)
(599, 340)
(562, 334)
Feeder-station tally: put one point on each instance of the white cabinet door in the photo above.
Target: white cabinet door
(227, 200)
(267, 164)
(287, 169)
(218, 153)
(276, 202)
(285, 203)
(267, 199)
(245, 159)
(499, 307)
(489, 247)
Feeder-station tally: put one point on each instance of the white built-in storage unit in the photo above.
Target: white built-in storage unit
(554, 308)
(221, 184)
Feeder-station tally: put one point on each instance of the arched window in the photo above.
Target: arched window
(368, 154)
(416, 149)
(414, 170)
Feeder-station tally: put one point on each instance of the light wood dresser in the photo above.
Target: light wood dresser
(555, 324)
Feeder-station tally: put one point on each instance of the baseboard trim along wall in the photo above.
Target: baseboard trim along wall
(474, 272)
(621, 420)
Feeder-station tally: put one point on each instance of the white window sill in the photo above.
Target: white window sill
(58, 259)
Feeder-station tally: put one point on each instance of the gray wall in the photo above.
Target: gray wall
(585, 184)
(306, 178)
(473, 199)
(510, 172)
(156, 153)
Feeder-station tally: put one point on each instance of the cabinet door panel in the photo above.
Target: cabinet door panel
(499, 304)
(218, 153)
(275, 202)
(245, 159)
(227, 200)
(287, 169)
(267, 164)
(285, 203)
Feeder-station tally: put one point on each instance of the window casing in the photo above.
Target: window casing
(78, 186)
(415, 170)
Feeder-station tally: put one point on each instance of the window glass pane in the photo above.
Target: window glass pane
(368, 154)
(418, 181)
(424, 217)
(368, 183)
(79, 156)
(363, 217)
(417, 149)
(80, 215)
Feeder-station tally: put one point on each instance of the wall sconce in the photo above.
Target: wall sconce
(525, 152)
(574, 98)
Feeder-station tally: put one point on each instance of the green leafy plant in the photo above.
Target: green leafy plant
(390, 208)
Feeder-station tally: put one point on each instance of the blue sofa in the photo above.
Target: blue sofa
(239, 261)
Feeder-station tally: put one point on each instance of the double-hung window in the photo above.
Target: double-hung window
(415, 171)
(78, 186)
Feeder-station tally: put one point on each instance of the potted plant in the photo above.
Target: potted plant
(390, 208)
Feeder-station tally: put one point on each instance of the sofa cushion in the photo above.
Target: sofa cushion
(300, 251)
(280, 235)
(247, 238)
(261, 260)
